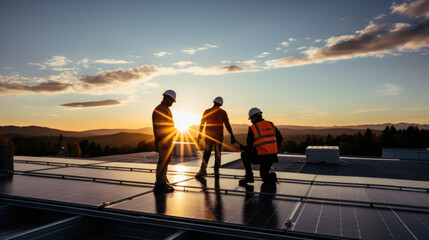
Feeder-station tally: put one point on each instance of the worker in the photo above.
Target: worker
(164, 131)
(263, 139)
(213, 118)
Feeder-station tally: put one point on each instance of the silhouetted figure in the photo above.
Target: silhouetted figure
(263, 140)
(213, 118)
(164, 131)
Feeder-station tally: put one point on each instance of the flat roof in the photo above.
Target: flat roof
(305, 203)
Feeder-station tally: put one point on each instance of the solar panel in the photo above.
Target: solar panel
(116, 175)
(398, 197)
(30, 167)
(63, 190)
(74, 161)
(248, 209)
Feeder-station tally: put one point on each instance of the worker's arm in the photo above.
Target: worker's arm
(250, 140)
(279, 137)
(228, 127)
(203, 122)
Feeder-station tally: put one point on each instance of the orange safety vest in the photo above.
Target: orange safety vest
(265, 137)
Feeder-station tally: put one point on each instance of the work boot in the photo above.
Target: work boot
(201, 174)
(162, 188)
(168, 183)
(245, 180)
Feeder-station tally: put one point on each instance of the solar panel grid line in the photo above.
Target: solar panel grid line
(318, 220)
(405, 225)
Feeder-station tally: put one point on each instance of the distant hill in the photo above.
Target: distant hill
(288, 130)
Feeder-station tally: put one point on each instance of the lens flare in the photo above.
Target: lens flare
(184, 119)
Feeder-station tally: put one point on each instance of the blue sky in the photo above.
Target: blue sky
(80, 65)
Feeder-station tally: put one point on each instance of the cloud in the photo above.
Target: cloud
(42, 67)
(388, 89)
(57, 61)
(418, 8)
(192, 50)
(183, 63)
(44, 87)
(120, 75)
(162, 53)
(288, 62)
(225, 61)
(278, 48)
(102, 103)
(285, 44)
(216, 70)
(7, 68)
(380, 16)
(84, 62)
(317, 40)
(263, 54)
(59, 69)
(112, 61)
(374, 40)
(291, 39)
(369, 110)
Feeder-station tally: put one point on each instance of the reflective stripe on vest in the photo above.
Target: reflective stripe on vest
(265, 137)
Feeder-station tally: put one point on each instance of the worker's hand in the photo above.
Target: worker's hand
(242, 147)
(232, 139)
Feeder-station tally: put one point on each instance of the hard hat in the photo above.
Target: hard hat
(218, 100)
(254, 111)
(171, 94)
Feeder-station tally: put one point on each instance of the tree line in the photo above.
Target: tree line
(362, 144)
(366, 144)
(51, 146)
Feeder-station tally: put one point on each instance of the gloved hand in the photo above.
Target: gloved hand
(242, 147)
(232, 139)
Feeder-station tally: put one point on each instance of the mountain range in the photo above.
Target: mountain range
(237, 128)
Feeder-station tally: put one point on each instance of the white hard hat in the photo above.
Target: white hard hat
(171, 94)
(218, 100)
(254, 111)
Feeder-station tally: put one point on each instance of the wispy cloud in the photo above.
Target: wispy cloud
(317, 40)
(380, 16)
(285, 44)
(112, 61)
(192, 50)
(120, 76)
(264, 54)
(44, 87)
(103, 103)
(374, 40)
(161, 54)
(216, 70)
(183, 63)
(419, 8)
(84, 61)
(388, 89)
(41, 66)
(369, 110)
(58, 61)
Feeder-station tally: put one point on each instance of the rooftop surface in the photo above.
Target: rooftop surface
(361, 198)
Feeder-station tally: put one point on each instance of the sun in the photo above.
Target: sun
(184, 119)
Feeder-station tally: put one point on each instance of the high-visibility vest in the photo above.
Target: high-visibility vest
(265, 137)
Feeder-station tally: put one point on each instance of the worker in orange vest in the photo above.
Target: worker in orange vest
(263, 140)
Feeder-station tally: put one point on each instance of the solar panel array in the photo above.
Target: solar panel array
(350, 207)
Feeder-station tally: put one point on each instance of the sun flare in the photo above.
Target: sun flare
(184, 119)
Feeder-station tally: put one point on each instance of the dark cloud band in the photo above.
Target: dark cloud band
(102, 103)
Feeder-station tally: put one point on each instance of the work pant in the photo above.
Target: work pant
(248, 157)
(208, 146)
(165, 149)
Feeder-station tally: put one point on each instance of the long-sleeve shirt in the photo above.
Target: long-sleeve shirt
(214, 118)
(251, 140)
(163, 124)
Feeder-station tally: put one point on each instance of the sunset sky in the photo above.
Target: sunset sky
(79, 65)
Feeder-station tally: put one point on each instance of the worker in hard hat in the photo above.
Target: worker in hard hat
(263, 140)
(213, 118)
(164, 131)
